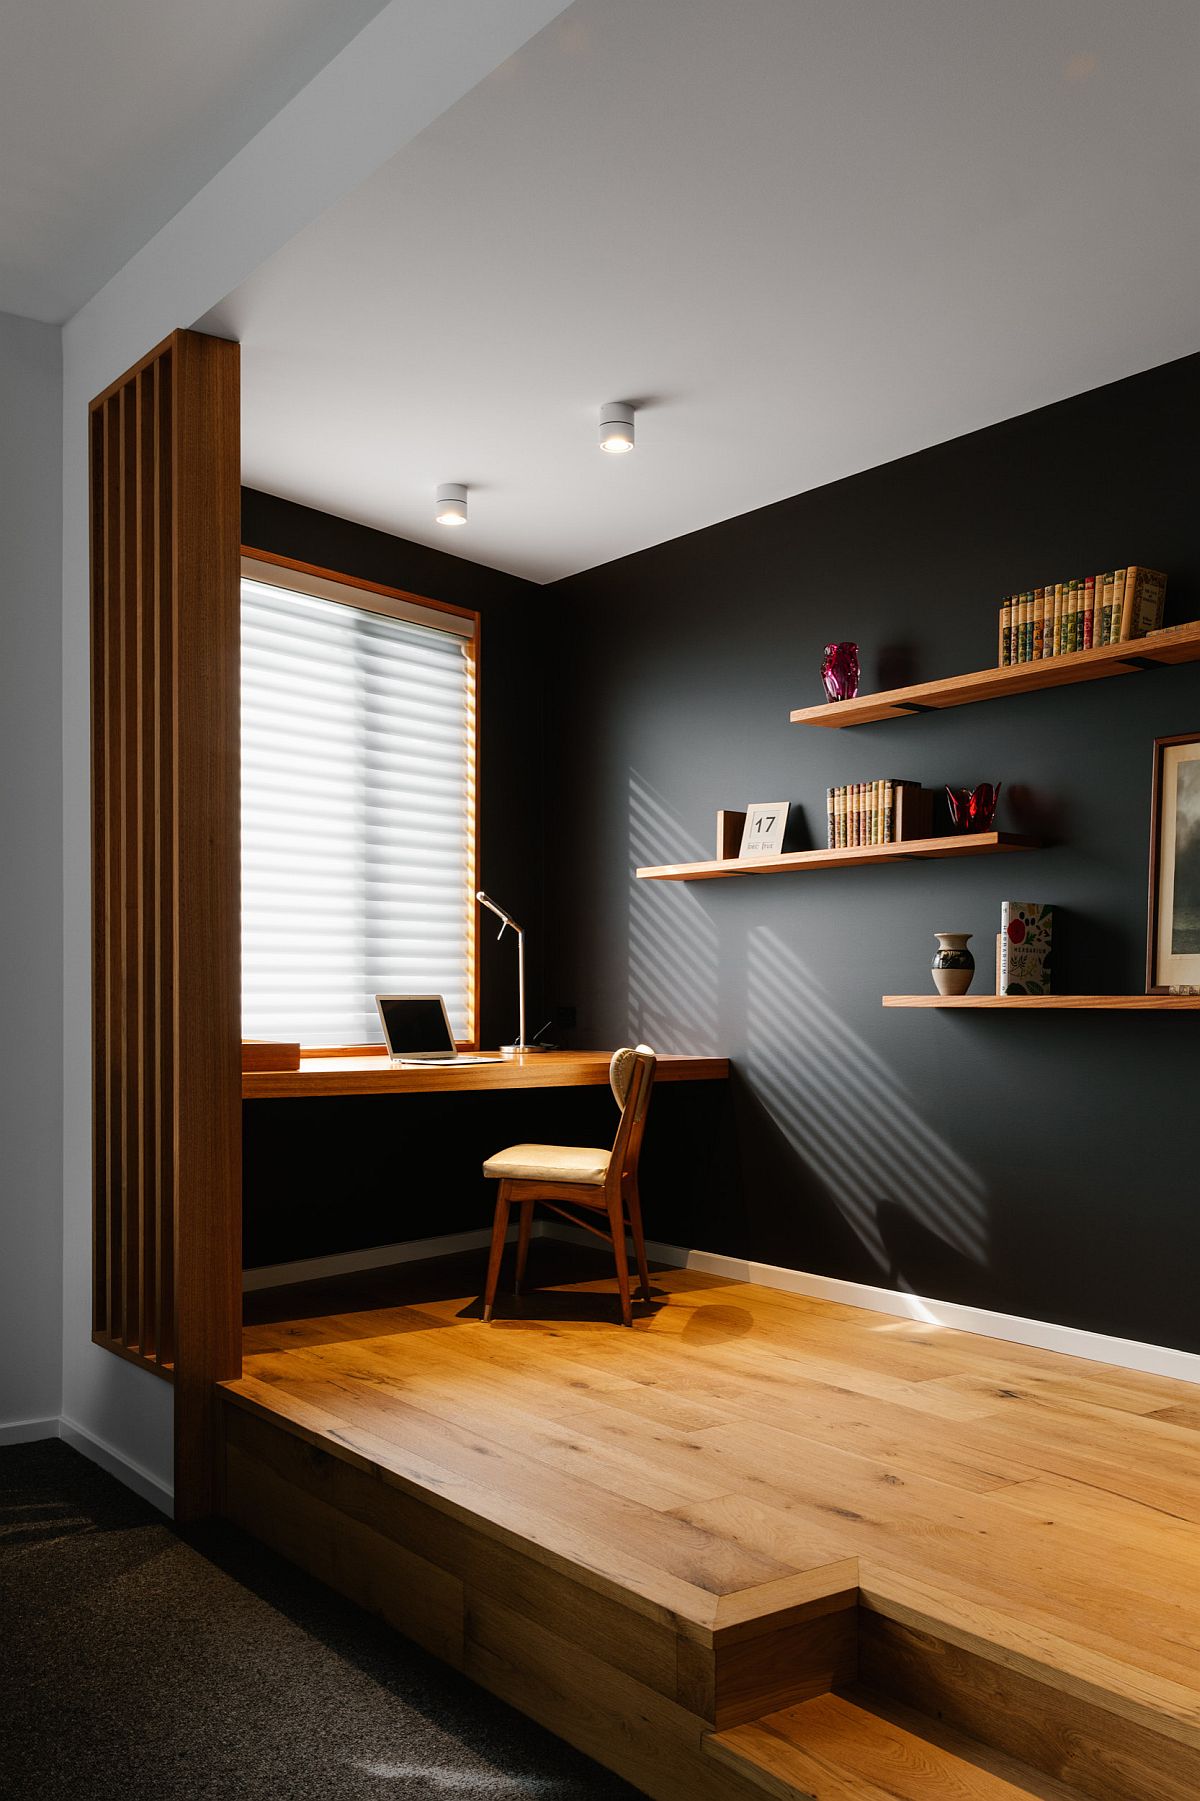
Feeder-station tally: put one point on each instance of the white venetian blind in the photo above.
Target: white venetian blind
(357, 798)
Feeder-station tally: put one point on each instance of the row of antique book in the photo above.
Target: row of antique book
(884, 811)
(1080, 614)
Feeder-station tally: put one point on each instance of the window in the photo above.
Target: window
(358, 805)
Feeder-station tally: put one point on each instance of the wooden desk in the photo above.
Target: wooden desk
(376, 1075)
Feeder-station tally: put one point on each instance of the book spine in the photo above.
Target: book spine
(1058, 620)
(1149, 601)
(1005, 643)
(1074, 612)
(1125, 629)
(1114, 607)
(829, 832)
(889, 812)
(1089, 613)
(839, 818)
(1038, 648)
(879, 811)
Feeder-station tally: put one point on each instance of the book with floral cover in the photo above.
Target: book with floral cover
(1026, 930)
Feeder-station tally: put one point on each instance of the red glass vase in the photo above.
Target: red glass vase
(839, 671)
(974, 809)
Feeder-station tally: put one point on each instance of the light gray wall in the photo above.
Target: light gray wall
(30, 877)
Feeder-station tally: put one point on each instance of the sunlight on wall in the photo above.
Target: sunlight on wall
(849, 1116)
(672, 941)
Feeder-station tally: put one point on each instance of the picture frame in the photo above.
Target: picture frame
(1173, 912)
(764, 830)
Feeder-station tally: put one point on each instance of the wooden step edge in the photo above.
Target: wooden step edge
(664, 1599)
(858, 1744)
(787, 1600)
(1153, 1702)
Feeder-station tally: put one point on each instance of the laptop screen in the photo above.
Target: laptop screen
(415, 1025)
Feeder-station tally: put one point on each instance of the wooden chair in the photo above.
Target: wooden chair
(599, 1181)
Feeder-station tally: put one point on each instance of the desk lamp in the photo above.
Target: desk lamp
(507, 920)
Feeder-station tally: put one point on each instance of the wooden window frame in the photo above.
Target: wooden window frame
(399, 603)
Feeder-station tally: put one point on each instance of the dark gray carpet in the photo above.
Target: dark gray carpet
(142, 1663)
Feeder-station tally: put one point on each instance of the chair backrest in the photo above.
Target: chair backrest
(631, 1077)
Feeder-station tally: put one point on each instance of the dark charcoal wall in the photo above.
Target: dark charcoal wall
(1044, 1166)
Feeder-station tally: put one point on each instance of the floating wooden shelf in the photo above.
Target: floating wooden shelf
(1141, 1003)
(969, 844)
(1178, 644)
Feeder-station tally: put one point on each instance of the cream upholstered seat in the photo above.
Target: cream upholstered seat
(549, 1163)
(581, 1176)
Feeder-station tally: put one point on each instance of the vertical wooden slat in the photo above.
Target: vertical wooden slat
(149, 1198)
(99, 664)
(164, 725)
(114, 1118)
(131, 1138)
(205, 584)
(166, 881)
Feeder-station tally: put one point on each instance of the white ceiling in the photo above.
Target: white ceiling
(808, 236)
(114, 112)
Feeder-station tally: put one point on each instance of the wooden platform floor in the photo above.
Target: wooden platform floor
(740, 1462)
(739, 1435)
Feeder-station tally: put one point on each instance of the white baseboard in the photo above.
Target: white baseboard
(27, 1432)
(379, 1256)
(1044, 1335)
(117, 1464)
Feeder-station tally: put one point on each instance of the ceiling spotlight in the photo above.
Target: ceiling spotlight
(616, 427)
(451, 504)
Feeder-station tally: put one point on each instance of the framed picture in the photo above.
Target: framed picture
(766, 823)
(1173, 938)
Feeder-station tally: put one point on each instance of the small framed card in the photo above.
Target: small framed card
(766, 823)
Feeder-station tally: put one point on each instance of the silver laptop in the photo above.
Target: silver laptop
(416, 1030)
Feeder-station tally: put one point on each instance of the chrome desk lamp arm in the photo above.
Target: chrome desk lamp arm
(506, 921)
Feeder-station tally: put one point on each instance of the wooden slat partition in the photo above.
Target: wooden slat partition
(166, 1036)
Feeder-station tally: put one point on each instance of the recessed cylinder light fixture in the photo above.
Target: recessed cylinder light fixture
(451, 504)
(616, 427)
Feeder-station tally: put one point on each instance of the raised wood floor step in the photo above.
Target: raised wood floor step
(859, 1746)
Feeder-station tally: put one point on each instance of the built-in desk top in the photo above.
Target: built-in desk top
(540, 1069)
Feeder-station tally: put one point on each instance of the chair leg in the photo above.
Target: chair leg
(499, 1233)
(639, 1241)
(523, 1230)
(616, 1221)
